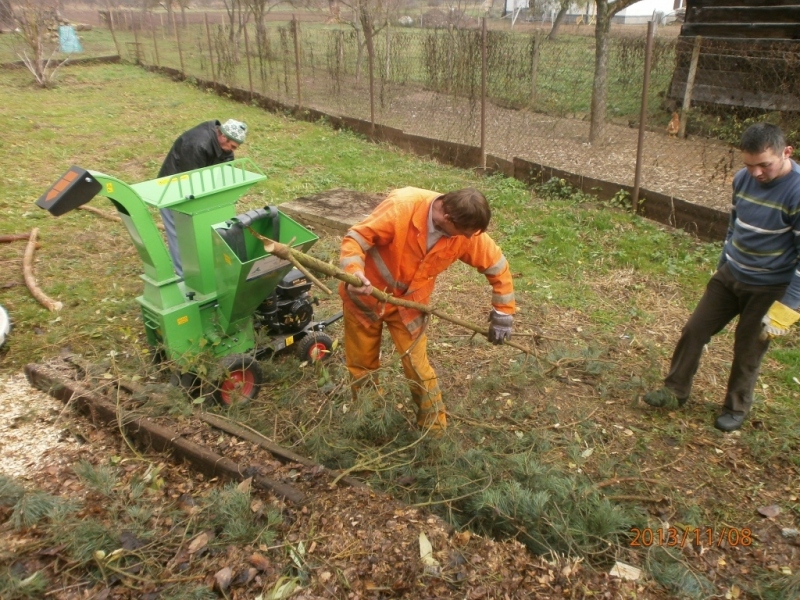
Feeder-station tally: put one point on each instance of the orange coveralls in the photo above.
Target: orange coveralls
(389, 247)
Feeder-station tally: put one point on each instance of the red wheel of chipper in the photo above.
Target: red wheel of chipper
(241, 381)
(315, 347)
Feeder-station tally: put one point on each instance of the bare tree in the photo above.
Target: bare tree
(35, 22)
(260, 9)
(606, 9)
(368, 18)
(563, 9)
(169, 5)
(238, 12)
(6, 14)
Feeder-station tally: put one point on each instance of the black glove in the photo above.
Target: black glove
(500, 327)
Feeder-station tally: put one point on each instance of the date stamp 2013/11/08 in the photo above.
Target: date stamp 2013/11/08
(700, 536)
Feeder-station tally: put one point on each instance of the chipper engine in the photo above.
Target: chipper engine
(235, 302)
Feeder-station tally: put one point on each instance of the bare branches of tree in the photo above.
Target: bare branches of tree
(606, 9)
(35, 21)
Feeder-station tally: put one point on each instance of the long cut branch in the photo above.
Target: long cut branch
(287, 253)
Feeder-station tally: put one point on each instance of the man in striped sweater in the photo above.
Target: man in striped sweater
(757, 277)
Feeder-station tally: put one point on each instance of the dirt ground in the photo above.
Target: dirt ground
(360, 543)
(694, 169)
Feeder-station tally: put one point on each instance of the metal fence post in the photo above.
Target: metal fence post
(483, 92)
(210, 49)
(648, 56)
(687, 93)
(296, 34)
(249, 67)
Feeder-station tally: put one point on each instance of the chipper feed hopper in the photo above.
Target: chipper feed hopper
(231, 288)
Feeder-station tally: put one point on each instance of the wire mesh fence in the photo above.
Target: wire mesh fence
(538, 92)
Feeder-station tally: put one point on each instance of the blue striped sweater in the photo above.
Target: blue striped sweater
(763, 242)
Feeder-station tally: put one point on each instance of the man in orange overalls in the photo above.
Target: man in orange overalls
(401, 248)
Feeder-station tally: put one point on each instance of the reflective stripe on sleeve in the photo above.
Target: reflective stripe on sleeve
(503, 298)
(497, 267)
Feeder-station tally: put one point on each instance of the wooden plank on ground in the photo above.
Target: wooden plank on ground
(149, 434)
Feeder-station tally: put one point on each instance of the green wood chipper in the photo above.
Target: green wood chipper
(231, 290)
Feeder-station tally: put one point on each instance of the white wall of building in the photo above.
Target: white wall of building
(642, 11)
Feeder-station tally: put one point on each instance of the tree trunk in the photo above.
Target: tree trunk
(562, 14)
(600, 87)
(170, 16)
(359, 55)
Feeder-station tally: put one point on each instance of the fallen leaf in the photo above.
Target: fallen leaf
(245, 485)
(259, 561)
(426, 554)
(245, 576)
(425, 549)
(222, 579)
(198, 543)
(771, 511)
(625, 571)
(462, 538)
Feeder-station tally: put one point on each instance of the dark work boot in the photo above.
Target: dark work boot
(664, 398)
(728, 422)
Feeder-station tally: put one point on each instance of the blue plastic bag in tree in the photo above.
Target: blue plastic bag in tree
(68, 39)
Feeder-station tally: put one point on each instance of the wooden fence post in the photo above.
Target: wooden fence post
(484, 36)
(139, 59)
(648, 57)
(180, 50)
(296, 34)
(155, 47)
(111, 27)
(687, 94)
(210, 49)
(537, 42)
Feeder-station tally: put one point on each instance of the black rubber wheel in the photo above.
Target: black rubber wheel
(314, 347)
(190, 383)
(241, 381)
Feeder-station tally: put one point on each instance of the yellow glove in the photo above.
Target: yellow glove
(778, 319)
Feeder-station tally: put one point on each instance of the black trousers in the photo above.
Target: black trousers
(724, 299)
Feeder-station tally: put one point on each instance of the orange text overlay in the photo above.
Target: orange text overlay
(700, 536)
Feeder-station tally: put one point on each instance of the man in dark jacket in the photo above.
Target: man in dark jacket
(210, 143)
(757, 277)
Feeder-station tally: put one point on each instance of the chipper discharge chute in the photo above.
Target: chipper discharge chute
(230, 285)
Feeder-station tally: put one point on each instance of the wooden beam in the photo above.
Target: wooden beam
(750, 14)
(148, 433)
(739, 30)
(693, 4)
